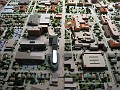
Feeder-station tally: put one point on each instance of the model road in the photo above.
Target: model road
(107, 62)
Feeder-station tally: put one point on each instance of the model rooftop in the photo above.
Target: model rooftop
(93, 60)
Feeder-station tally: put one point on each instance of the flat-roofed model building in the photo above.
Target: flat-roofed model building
(70, 86)
(58, 16)
(85, 37)
(33, 20)
(72, 2)
(44, 1)
(8, 9)
(93, 47)
(37, 31)
(117, 18)
(44, 28)
(44, 19)
(9, 46)
(30, 58)
(54, 1)
(32, 31)
(93, 60)
(68, 80)
(67, 56)
(32, 45)
(23, 2)
(77, 45)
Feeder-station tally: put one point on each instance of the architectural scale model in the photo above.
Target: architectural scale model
(59, 44)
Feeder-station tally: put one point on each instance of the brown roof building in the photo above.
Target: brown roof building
(103, 10)
(9, 46)
(79, 23)
(106, 30)
(2, 2)
(84, 26)
(23, 2)
(114, 44)
(23, 8)
(34, 31)
(52, 9)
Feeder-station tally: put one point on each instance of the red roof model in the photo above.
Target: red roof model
(22, 8)
(103, 10)
(114, 44)
(107, 32)
(52, 9)
(84, 26)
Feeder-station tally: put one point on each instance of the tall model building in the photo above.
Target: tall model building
(53, 41)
